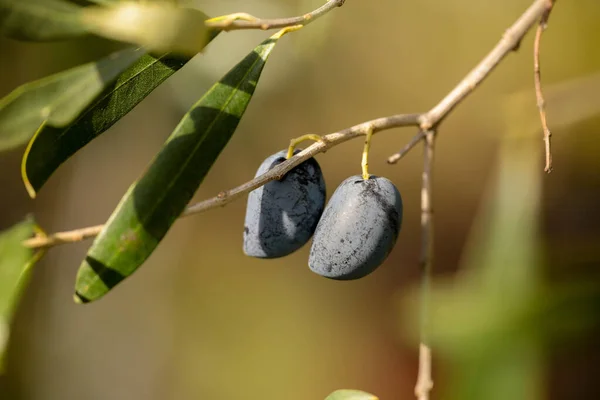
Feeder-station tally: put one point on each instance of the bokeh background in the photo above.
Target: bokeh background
(202, 321)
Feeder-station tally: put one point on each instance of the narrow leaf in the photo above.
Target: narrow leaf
(159, 27)
(40, 20)
(52, 146)
(347, 394)
(155, 201)
(15, 264)
(56, 100)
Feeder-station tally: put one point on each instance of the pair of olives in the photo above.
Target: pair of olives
(353, 234)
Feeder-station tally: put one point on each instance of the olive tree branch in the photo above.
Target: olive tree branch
(241, 21)
(225, 197)
(425, 121)
(541, 103)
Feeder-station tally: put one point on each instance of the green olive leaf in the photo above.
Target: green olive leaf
(57, 99)
(153, 203)
(348, 394)
(16, 262)
(51, 146)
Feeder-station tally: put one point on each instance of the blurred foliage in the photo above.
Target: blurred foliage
(345, 394)
(496, 319)
(157, 26)
(15, 267)
(57, 100)
(52, 146)
(40, 19)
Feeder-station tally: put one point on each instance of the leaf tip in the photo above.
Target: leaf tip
(80, 299)
(28, 186)
(94, 280)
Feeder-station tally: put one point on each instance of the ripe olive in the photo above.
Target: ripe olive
(358, 229)
(282, 215)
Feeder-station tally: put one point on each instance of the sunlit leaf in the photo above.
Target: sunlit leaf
(40, 20)
(155, 201)
(347, 394)
(51, 146)
(58, 99)
(15, 266)
(157, 26)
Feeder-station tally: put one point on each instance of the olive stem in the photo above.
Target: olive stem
(238, 21)
(296, 141)
(365, 155)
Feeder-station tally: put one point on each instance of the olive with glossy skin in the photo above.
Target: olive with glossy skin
(358, 229)
(282, 216)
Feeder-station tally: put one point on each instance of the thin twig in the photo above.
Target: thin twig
(246, 21)
(55, 239)
(225, 197)
(537, 76)
(424, 379)
(426, 121)
(510, 41)
(407, 148)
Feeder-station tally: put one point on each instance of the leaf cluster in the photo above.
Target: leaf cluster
(55, 117)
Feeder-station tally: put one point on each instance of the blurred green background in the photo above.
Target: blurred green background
(202, 321)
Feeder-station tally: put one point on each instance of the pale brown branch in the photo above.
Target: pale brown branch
(426, 120)
(225, 197)
(537, 77)
(510, 41)
(424, 379)
(246, 21)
